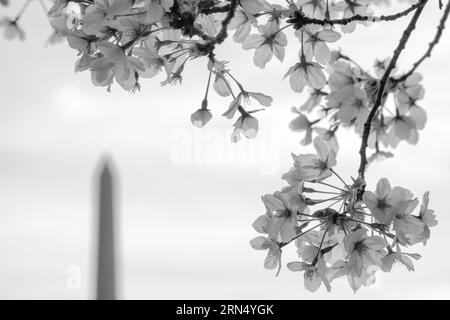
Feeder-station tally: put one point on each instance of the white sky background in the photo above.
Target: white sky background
(185, 227)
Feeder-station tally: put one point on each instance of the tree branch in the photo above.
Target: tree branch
(367, 125)
(222, 35)
(432, 44)
(300, 19)
(212, 10)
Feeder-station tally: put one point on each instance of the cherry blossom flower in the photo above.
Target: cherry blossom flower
(343, 81)
(312, 167)
(57, 8)
(380, 202)
(293, 204)
(221, 85)
(407, 96)
(153, 61)
(245, 125)
(328, 135)
(380, 67)
(244, 96)
(402, 128)
(251, 6)
(313, 100)
(305, 73)
(300, 124)
(208, 24)
(273, 258)
(351, 8)
(60, 7)
(271, 41)
(364, 251)
(102, 14)
(314, 275)
(379, 156)
(405, 224)
(12, 29)
(379, 133)
(354, 109)
(311, 246)
(276, 13)
(201, 117)
(84, 62)
(174, 70)
(315, 40)
(67, 23)
(427, 215)
(242, 22)
(398, 257)
(156, 8)
(313, 8)
(130, 28)
(114, 60)
(291, 178)
(280, 220)
(394, 205)
(428, 220)
(367, 277)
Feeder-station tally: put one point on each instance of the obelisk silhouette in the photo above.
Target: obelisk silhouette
(106, 255)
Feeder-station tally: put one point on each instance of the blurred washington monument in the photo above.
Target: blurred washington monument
(106, 236)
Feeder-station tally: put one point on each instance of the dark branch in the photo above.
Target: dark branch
(367, 125)
(300, 19)
(432, 44)
(212, 10)
(222, 35)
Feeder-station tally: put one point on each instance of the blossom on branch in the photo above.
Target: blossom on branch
(338, 231)
(273, 258)
(245, 125)
(271, 41)
(242, 22)
(12, 29)
(315, 167)
(245, 96)
(315, 42)
(305, 73)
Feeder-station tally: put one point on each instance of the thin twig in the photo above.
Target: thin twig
(432, 44)
(22, 10)
(336, 202)
(330, 185)
(282, 244)
(316, 258)
(207, 85)
(241, 110)
(340, 178)
(222, 35)
(368, 124)
(222, 9)
(300, 19)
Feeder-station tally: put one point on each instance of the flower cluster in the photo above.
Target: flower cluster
(339, 229)
(123, 41)
(346, 99)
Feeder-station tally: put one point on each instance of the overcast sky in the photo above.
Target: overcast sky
(185, 220)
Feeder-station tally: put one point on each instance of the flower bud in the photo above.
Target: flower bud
(201, 117)
(250, 127)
